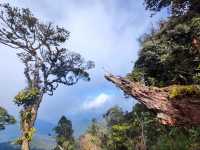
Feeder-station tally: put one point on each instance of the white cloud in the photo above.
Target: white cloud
(99, 101)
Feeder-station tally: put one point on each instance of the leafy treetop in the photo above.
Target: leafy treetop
(64, 134)
(47, 64)
(170, 54)
(64, 128)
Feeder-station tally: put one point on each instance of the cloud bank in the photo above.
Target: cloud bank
(98, 101)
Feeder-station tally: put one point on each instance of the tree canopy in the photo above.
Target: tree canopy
(177, 7)
(139, 129)
(114, 115)
(64, 134)
(41, 52)
(170, 53)
(5, 118)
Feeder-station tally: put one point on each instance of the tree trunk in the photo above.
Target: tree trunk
(25, 145)
(182, 111)
(25, 126)
(28, 124)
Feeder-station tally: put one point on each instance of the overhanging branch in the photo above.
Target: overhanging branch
(184, 111)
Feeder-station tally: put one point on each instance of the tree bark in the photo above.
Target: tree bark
(27, 125)
(183, 111)
(25, 145)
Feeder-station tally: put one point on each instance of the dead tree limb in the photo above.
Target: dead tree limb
(184, 111)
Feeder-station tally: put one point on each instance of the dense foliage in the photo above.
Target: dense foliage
(64, 134)
(139, 129)
(5, 118)
(170, 54)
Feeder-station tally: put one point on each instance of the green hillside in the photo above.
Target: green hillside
(40, 142)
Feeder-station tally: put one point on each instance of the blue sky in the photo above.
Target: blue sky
(105, 31)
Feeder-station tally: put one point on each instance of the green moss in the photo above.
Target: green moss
(26, 115)
(18, 141)
(178, 91)
(26, 96)
(28, 136)
(195, 24)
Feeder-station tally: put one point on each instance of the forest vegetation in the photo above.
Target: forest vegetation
(139, 129)
(5, 118)
(169, 58)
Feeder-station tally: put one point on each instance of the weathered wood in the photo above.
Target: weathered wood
(184, 111)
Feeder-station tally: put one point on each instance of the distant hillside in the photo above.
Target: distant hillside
(40, 142)
(44, 127)
(13, 131)
(43, 142)
(8, 146)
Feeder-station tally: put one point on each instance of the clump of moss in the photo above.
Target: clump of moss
(195, 24)
(18, 141)
(28, 136)
(26, 96)
(26, 115)
(178, 91)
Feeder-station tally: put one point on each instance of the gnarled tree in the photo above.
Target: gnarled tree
(46, 63)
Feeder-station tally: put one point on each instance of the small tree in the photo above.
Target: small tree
(114, 115)
(93, 128)
(46, 63)
(64, 134)
(5, 118)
